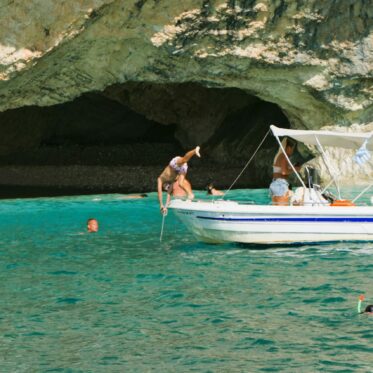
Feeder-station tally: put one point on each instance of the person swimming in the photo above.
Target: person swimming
(176, 170)
(92, 225)
(213, 191)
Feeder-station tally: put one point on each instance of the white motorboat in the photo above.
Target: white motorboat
(314, 220)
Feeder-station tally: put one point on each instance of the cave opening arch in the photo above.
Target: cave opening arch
(142, 126)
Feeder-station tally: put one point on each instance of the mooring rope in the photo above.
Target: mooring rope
(243, 170)
(163, 219)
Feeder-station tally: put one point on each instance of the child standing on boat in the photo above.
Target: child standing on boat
(175, 171)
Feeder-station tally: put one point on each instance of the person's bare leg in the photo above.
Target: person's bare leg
(187, 156)
(184, 184)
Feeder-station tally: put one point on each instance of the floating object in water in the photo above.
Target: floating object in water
(342, 202)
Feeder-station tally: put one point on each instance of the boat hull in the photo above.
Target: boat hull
(225, 221)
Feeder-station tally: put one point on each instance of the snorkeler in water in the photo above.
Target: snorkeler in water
(368, 309)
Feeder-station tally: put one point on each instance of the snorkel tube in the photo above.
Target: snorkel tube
(361, 298)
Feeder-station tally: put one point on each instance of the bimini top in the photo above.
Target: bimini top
(347, 140)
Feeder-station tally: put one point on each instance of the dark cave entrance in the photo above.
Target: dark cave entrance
(143, 125)
(91, 130)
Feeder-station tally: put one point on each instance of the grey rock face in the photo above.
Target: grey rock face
(312, 59)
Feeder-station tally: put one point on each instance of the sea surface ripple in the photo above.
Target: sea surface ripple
(121, 301)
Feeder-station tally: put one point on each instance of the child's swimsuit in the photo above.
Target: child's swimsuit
(179, 169)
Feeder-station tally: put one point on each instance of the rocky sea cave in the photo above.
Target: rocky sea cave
(98, 95)
(120, 139)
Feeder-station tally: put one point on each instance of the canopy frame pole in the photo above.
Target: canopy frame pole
(327, 185)
(363, 192)
(318, 197)
(325, 159)
(248, 162)
(287, 158)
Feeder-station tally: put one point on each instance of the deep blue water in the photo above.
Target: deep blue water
(121, 301)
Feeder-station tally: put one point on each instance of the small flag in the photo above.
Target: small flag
(362, 155)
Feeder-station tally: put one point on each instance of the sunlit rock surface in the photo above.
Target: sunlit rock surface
(167, 60)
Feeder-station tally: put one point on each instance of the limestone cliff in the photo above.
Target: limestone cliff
(168, 59)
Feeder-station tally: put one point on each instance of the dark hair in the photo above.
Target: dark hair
(143, 195)
(290, 142)
(209, 188)
(167, 186)
(369, 308)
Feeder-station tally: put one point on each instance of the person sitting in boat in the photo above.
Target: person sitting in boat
(175, 170)
(279, 188)
(213, 191)
(177, 191)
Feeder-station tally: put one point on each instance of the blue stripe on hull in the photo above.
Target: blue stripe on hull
(303, 220)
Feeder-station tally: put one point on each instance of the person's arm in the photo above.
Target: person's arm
(164, 208)
(216, 192)
(160, 195)
(168, 199)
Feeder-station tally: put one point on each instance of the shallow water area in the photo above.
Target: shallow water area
(121, 300)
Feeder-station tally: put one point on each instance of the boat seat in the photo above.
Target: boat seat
(308, 197)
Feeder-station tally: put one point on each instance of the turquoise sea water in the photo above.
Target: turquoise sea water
(121, 301)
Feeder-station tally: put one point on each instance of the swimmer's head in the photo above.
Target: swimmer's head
(92, 225)
(369, 309)
(209, 188)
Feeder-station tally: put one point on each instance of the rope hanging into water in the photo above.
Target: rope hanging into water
(163, 219)
(249, 161)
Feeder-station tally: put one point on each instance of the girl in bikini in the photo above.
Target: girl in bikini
(279, 187)
(175, 170)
